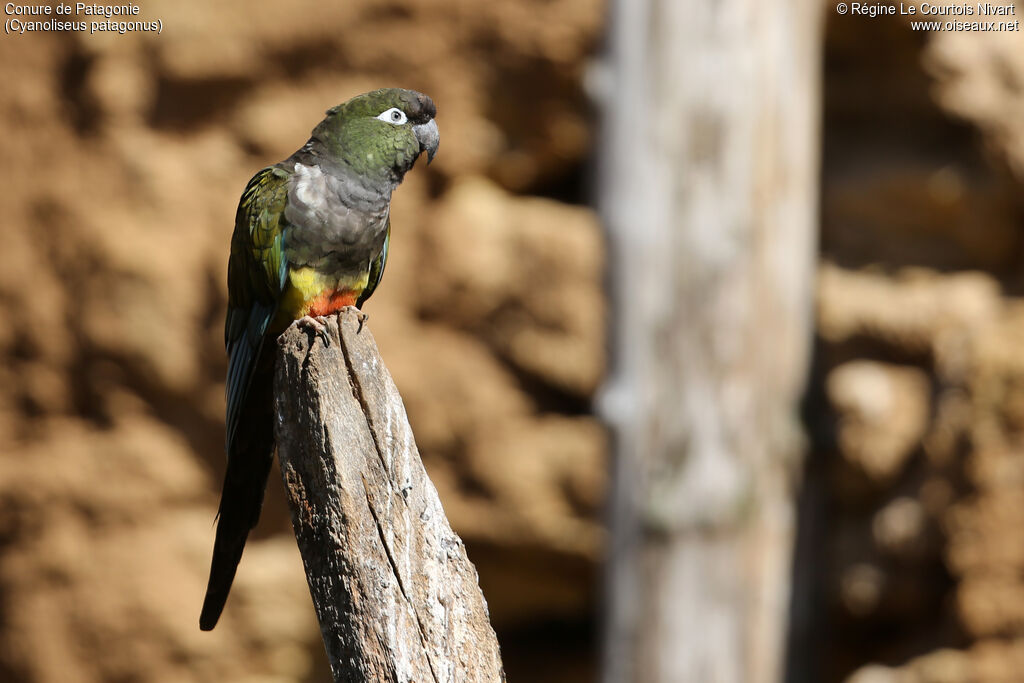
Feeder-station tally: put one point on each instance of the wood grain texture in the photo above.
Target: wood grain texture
(395, 594)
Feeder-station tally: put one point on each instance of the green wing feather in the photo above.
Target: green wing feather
(257, 271)
(376, 268)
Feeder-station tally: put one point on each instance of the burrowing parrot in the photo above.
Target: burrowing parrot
(311, 237)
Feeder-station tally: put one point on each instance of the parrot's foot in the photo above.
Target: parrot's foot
(317, 325)
(363, 317)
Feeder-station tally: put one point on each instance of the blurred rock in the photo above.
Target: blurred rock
(104, 532)
(875, 673)
(916, 310)
(862, 586)
(520, 273)
(882, 412)
(979, 79)
(996, 661)
(899, 528)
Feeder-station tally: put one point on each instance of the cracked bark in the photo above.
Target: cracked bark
(396, 596)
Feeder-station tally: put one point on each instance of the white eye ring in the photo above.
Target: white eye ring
(393, 115)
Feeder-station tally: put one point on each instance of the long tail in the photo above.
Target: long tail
(249, 458)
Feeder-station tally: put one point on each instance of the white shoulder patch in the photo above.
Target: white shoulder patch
(308, 180)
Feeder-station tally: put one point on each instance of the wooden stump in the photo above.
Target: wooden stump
(396, 596)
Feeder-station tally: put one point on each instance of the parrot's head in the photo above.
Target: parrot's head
(380, 134)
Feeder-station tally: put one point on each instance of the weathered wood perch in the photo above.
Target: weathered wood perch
(396, 596)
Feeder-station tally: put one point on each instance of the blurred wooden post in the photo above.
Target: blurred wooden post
(708, 186)
(396, 596)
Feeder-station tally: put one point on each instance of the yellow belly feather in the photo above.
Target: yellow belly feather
(308, 289)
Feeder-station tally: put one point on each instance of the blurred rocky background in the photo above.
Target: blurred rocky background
(124, 159)
(912, 510)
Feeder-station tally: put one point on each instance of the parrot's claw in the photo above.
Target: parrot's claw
(363, 317)
(317, 325)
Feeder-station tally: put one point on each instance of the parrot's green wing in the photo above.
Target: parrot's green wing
(376, 268)
(257, 271)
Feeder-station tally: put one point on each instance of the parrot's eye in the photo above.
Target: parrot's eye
(393, 115)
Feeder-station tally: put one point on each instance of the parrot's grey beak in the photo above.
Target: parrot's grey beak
(428, 137)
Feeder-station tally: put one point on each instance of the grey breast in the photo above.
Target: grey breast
(336, 223)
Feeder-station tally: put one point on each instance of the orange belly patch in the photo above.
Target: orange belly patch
(332, 302)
